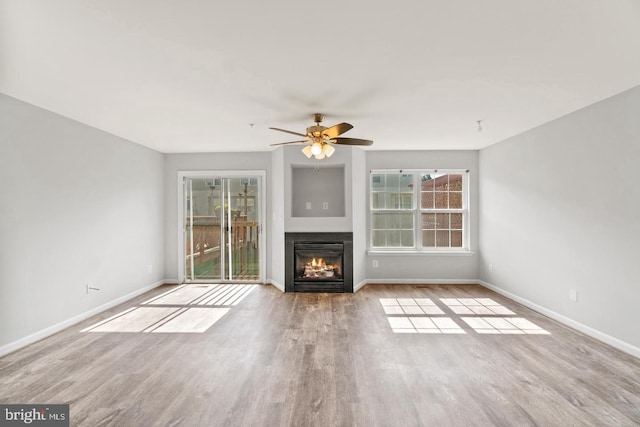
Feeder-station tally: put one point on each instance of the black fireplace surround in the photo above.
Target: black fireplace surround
(318, 262)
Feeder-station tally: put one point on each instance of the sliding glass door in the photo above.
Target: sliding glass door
(222, 228)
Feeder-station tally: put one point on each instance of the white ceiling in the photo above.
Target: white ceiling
(192, 75)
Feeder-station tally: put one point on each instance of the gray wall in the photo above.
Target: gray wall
(560, 210)
(427, 267)
(78, 206)
(174, 163)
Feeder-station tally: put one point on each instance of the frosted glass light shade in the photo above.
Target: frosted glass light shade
(316, 148)
(328, 150)
(307, 151)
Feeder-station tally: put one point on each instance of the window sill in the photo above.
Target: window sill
(419, 253)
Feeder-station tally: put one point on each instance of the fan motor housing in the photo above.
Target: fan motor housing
(315, 130)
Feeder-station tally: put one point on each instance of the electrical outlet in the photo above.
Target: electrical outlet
(150, 269)
(490, 268)
(573, 295)
(325, 206)
(308, 205)
(375, 263)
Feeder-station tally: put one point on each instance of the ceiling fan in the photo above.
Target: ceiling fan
(321, 138)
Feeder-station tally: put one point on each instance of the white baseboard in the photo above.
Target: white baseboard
(421, 282)
(359, 286)
(276, 285)
(37, 336)
(587, 330)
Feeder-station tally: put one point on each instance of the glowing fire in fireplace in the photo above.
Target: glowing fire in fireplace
(319, 269)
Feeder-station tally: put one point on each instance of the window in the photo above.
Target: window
(423, 210)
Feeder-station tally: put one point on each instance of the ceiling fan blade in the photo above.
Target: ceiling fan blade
(292, 142)
(289, 131)
(336, 130)
(351, 141)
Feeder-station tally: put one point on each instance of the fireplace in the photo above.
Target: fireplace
(318, 262)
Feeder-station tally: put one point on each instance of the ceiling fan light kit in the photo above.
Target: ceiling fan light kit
(321, 138)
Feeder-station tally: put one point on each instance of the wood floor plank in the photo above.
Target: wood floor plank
(328, 360)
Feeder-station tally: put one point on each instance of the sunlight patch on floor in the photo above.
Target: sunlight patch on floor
(203, 295)
(183, 309)
(193, 320)
(424, 325)
(503, 325)
(136, 319)
(410, 306)
(482, 306)
(481, 315)
(160, 319)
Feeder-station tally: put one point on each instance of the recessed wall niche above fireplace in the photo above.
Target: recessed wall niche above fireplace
(318, 262)
(317, 191)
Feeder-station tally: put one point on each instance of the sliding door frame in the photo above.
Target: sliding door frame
(182, 276)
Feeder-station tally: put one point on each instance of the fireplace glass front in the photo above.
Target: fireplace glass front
(319, 262)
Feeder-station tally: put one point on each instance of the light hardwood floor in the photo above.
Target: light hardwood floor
(359, 359)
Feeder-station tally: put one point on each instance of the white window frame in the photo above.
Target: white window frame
(417, 212)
